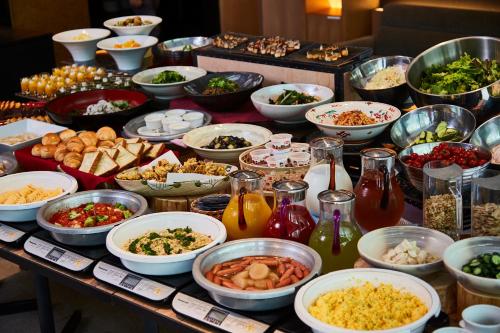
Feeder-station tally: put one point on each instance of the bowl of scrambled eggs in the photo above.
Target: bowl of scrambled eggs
(368, 299)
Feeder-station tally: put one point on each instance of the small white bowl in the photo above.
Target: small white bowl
(195, 119)
(153, 120)
(299, 158)
(163, 265)
(179, 127)
(461, 252)
(277, 161)
(373, 245)
(133, 30)
(175, 112)
(81, 50)
(43, 179)
(348, 278)
(167, 91)
(324, 115)
(289, 114)
(259, 156)
(202, 136)
(127, 58)
(300, 147)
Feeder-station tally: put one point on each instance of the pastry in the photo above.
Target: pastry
(73, 160)
(48, 151)
(51, 139)
(88, 138)
(61, 145)
(67, 134)
(75, 145)
(35, 151)
(106, 133)
(89, 149)
(106, 143)
(60, 153)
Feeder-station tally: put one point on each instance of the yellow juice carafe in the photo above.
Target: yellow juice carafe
(247, 213)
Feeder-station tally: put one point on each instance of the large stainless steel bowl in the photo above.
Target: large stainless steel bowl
(481, 102)
(407, 128)
(416, 175)
(488, 134)
(255, 300)
(363, 73)
(92, 235)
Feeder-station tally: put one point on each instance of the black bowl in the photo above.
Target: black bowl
(247, 81)
(63, 110)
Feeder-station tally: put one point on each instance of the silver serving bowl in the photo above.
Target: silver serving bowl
(416, 175)
(482, 102)
(93, 235)
(9, 164)
(407, 128)
(363, 73)
(170, 52)
(461, 252)
(373, 245)
(488, 134)
(255, 300)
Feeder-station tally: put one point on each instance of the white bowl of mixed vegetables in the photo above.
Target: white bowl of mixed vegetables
(288, 103)
(167, 82)
(475, 263)
(164, 243)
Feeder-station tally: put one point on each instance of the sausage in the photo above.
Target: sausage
(210, 276)
(217, 280)
(228, 271)
(294, 278)
(216, 268)
(299, 272)
(287, 274)
(229, 284)
(281, 269)
(270, 284)
(283, 283)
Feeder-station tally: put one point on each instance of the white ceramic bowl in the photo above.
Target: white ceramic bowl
(324, 115)
(81, 50)
(289, 114)
(163, 265)
(128, 58)
(167, 91)
(461, 252)
(44, 179)
(373, 245)
(202, 136)
(354, 277)
(133, 30)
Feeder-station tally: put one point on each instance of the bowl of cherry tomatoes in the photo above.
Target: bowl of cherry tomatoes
(471, 158)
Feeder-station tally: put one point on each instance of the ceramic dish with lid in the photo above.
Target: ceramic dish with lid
(373, 245)
(163, 264)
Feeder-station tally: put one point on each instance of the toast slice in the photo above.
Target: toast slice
(112, 152)
(147, 147)
(90, 161)
(106, 165)
(135, 148)
(156, 150)
(133, 140)
(125, 158)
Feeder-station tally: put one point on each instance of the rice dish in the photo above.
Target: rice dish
(387, 78)
(167, 242)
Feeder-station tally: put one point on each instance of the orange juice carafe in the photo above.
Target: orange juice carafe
(247, 213)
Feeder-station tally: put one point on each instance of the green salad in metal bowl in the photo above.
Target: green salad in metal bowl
(220, 85)
(168, 77)
(460, 76)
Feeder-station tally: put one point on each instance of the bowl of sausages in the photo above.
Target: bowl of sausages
(256, 274)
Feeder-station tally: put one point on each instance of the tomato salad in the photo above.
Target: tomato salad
(466, 158)
(91, 215)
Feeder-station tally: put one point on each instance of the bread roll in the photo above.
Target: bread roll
(35, 151)
(60, 153)
(106, 143)
(106, 133)
(67, 134)
(73, 160)
(88, 138)
(48, 151)
(89, 149)
(61, 145)
(75, 145)
(51, 139)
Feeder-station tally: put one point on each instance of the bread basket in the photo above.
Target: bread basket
(272, 175)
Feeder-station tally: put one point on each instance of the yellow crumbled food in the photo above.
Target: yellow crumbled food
(28, 194)
(368, 307)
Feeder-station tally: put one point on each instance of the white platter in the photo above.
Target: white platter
(39, 128)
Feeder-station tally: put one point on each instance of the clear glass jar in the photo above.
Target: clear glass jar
(247, 213)
(336, 235)
(379, 199)
(485, 203)
(443, 197)
(290, 218)
(326, 156)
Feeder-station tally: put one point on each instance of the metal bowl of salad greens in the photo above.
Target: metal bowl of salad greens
(463, 72)
(127, 205)
(167, 83)
(223, 91)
